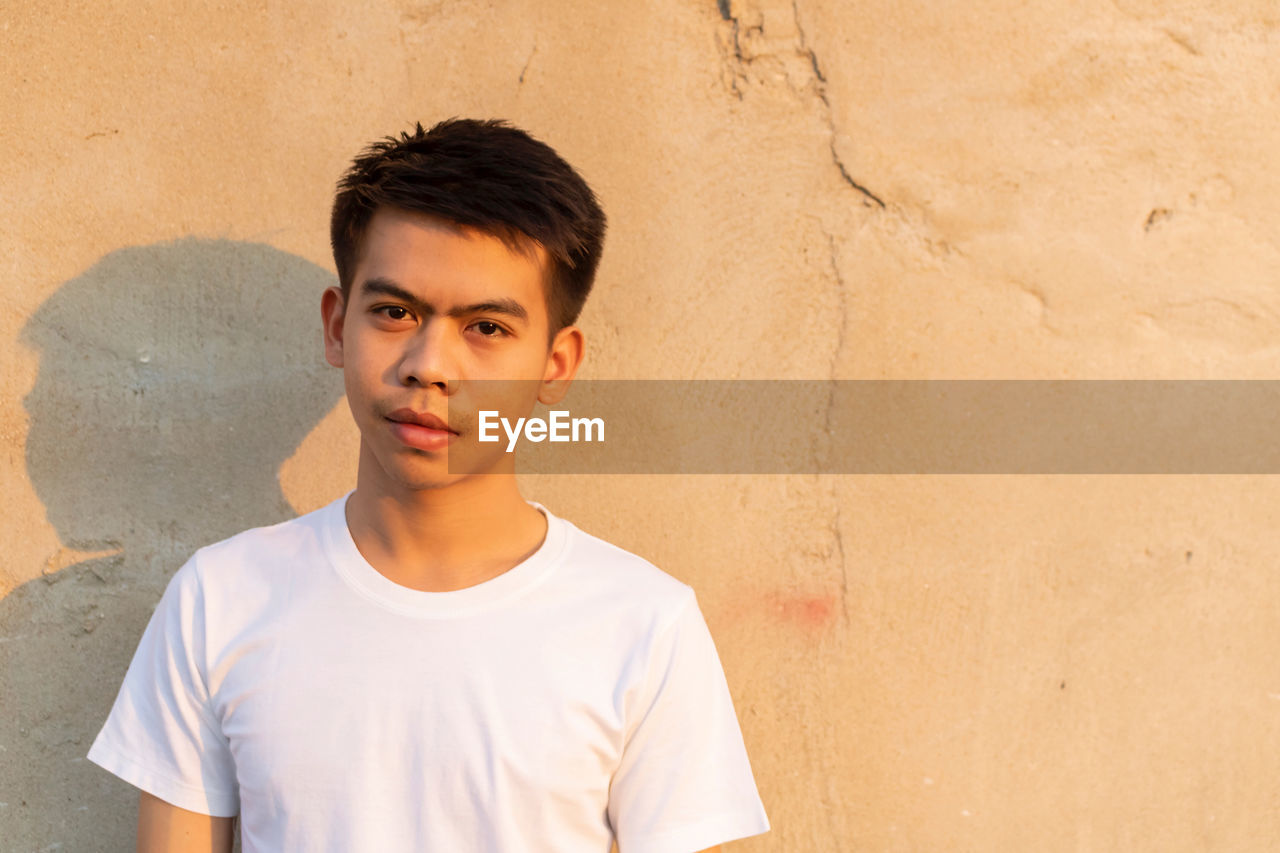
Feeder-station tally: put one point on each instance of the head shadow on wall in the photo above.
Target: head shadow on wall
(174, 380)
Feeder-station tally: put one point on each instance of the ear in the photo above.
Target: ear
(333, 312)
(567, 349)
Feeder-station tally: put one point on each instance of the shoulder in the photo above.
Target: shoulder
(256, 567)
(268, 544)
(619, 578)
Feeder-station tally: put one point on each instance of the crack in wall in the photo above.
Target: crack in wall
(748, 43)
(740, 56)
(821, 89)
(837, 532)
(527, 63)
(842, 332)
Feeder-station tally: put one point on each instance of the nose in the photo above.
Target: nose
(427, 358)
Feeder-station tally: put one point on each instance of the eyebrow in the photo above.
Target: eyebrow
(387, 287)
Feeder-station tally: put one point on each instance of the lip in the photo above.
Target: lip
(420, 430)
(422, 419)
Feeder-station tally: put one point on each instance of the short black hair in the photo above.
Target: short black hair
(486, 175)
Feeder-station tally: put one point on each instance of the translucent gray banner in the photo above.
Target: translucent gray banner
(873, 427)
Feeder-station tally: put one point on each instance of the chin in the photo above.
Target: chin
(420, 471)
(423, 480)
(427, 485)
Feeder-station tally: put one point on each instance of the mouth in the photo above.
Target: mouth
(420, 430)
(426, 420)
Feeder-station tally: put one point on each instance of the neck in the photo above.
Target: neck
(445, 538)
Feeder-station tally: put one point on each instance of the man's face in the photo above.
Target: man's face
(433, 308)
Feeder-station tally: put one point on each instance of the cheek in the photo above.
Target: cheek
(362, 378)
(527, 360)
(367, 358)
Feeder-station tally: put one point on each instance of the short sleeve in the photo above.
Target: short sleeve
(684, 782)
(161, 735)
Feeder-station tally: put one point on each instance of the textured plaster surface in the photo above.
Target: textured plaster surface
(796, 190)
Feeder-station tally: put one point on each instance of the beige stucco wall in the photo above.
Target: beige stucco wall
(893, 188)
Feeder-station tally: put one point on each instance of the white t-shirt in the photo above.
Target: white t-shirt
(575, 697)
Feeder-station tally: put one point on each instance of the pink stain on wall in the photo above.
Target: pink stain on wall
(807, 612)
(780, 610)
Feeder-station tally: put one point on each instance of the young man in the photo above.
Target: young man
(431, 663)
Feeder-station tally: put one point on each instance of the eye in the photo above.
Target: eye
(489, 329)
(392, 312)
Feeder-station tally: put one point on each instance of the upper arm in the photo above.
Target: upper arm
(164, 734)
(166, 828)
(684, 779)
